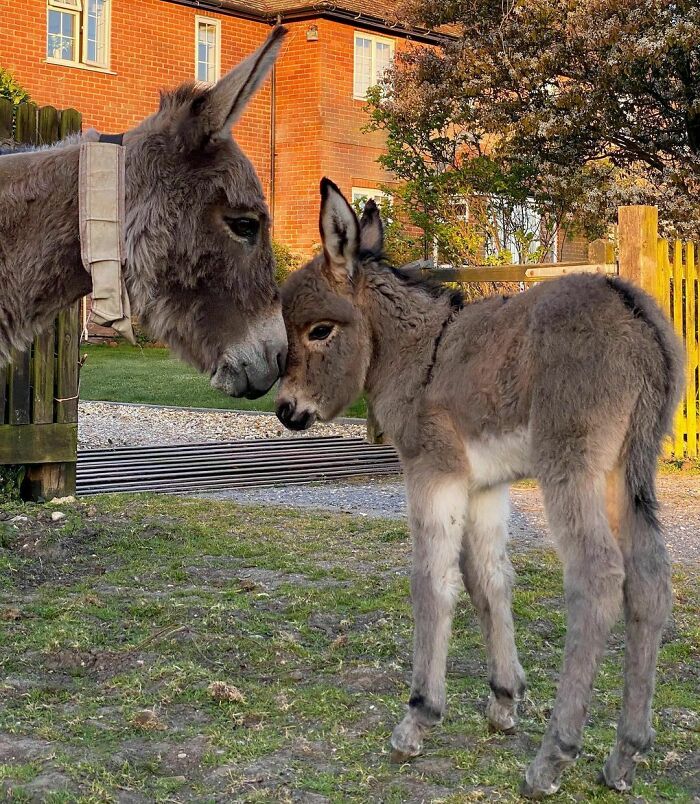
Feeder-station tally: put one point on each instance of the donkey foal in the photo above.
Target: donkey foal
(573, 383)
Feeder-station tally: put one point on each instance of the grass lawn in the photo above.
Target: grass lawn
(160, 649)
(126, 373)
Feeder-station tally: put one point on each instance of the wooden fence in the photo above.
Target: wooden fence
(669, 271)
(39, 389)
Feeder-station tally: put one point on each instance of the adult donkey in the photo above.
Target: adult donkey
(199, 264)
(573, 383)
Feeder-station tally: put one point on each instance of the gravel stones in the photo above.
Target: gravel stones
(112, 424)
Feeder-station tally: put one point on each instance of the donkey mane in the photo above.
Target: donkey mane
(10, 147)
(434, 288)
(182, 95)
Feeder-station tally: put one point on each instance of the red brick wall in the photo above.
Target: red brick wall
(152, 47)
(319, 130)
(318, 127)
(298, 140)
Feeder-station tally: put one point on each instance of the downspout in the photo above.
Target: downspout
(273, 139)
(273, 145)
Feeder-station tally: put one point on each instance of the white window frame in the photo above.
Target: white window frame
(374, 40)
(74, 10)
(78, 10)
(108, 35)
(379, 196)
(199, 20)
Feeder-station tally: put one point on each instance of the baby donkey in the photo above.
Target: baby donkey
(573, 383)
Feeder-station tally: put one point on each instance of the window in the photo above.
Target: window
(207, 49)
(77, 32)
(361, 195)
(517, 229)
(373, 55)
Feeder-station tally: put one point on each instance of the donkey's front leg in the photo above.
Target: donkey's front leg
(438, 509)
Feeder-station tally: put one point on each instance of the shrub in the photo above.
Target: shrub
(10, 89)
(11, 479)
(285, 261)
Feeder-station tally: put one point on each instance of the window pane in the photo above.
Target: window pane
(54, 22)
(206, 52)
(363, 66)
(61, 36)
(382, 59)
(96, 38)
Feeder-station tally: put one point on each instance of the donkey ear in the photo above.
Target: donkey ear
(340, 232)
(218, 109)
(371, 229)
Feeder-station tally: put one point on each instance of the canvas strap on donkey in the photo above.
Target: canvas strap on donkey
(101, 194)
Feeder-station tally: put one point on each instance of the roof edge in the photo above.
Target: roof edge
(314, 12)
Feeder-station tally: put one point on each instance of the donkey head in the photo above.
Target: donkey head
(200, 268)
(330, 341)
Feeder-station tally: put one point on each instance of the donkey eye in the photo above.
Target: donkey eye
(247, 228)
(320, 332)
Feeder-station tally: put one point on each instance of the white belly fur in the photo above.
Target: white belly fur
(499, 459)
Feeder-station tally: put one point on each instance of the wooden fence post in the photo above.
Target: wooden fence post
(638, 233)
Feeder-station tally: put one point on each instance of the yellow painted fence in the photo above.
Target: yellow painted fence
(676, 289)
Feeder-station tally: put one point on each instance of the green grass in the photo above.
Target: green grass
(152, 375)
(114, 624)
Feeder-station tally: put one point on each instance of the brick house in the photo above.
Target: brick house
(109, 59)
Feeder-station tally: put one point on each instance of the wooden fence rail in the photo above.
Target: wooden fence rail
(39, 389)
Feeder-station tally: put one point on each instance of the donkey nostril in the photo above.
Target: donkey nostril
(284, 412)
(281, 361)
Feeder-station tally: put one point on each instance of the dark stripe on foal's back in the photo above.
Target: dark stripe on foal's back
(456, 303)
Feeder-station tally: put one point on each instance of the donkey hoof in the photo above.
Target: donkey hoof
(406, 741)
(528, 790)
(615, 778)
(397, 757)
(536, 789)
(501, 717)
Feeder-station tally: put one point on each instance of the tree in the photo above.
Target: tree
(587, 103)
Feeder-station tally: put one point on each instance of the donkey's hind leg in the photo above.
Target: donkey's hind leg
(647, 594)
(593, 576)
(488, 577)
(437, 515)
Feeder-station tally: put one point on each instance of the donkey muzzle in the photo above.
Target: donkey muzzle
(294, 419)
(251, 367)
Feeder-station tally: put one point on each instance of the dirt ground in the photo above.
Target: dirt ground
(157, 649)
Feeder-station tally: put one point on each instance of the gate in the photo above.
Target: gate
(39, 389)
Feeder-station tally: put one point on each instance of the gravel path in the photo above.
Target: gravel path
(107, 424)
(104, 424)
(679, 495)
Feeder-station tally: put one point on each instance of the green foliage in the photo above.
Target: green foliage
(468, 204)
(10, 89)
(579, 105)
(11, 479)
(285, 261)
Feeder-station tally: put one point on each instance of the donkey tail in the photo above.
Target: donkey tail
(652, 418)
